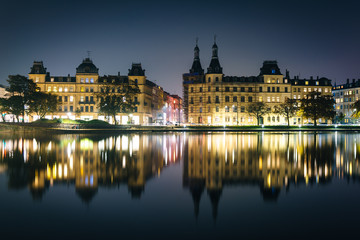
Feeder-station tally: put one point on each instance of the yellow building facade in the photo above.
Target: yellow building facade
(215, 99)
(76, 95)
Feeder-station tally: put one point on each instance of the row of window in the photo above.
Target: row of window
(235, 99)
(86, 80)
(241, 89)
(71, 109)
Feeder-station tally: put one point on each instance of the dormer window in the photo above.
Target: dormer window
(306, 82)
(273, 71)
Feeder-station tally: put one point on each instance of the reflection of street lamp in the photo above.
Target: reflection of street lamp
(69, 114)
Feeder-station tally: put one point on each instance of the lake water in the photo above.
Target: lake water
(180, 186)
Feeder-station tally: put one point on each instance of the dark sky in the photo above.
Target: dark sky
(310, 38)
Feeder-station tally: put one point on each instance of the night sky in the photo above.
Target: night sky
(310, 38)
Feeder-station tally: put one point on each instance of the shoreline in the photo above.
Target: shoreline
(29, 127)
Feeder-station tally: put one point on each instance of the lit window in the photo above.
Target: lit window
(52, 79)
(65, 89)
(71, 89)
(317, 83)
(326, 90)
(71, 98)
(92, 80)
(81, 98)
(82, 89)
(49, 89)
(305, 90)
(87, 80)
(81, 80)
(60, 89)
(306, 82)
(260, 99)
(36, 79)
(278, 99)
(55, 89)
(268, 99)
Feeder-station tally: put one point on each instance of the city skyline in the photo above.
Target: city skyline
(310, 39)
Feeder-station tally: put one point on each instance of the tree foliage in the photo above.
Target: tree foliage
(116, 95)
(21, 90)
(356, 109)
(4, 107)
(316, 106)
(258, 110)
(288, 109)
(43, 103)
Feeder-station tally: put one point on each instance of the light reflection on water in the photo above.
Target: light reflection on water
(209, 162)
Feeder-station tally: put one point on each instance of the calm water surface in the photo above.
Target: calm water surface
(180, 186)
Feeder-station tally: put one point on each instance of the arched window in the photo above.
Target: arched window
(216, 79)
(209, 79)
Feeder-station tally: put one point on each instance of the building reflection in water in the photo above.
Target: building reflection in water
(273, 162)
(89, 162)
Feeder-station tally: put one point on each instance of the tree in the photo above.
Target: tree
(22, 89)
(115, 96)
(340, 117)
(288, 109)
(4, 107)
(16, 106)
(356, 109)
(316, 106)
(43, 103)
(258, 110)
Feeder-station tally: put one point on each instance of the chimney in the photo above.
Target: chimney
(353, 80)
(317, 77)
(118, 74)
(311, 78)
(347, 81)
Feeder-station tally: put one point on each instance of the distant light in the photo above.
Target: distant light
(262, 126)
(299, 125)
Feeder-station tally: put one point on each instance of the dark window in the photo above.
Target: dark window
(191, 100)
(234, 108)
(65, 99)
(226, 109)
(200, 89)
(242, 99)
(217, 99)
(227, 89)
(286, 89)
(86, 99)
(209, 89)
(135, 109)
(65, 108)
(242, 89)
(192, 89)
(273, 89)
(209, 99)
(86, 108)
(200, 99)
(260, 89)
(91, 99)
(227, 99)
(91, 108)
(268, 89)
(278, 89)
(242, 109)
(200, 109)
(60, 98)
(71, 108)
(235, 99)
(217, 89)
(235, 89)
(209, 79)
(216, 79)
(217, 108)
(250, 89)
(250, 99)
